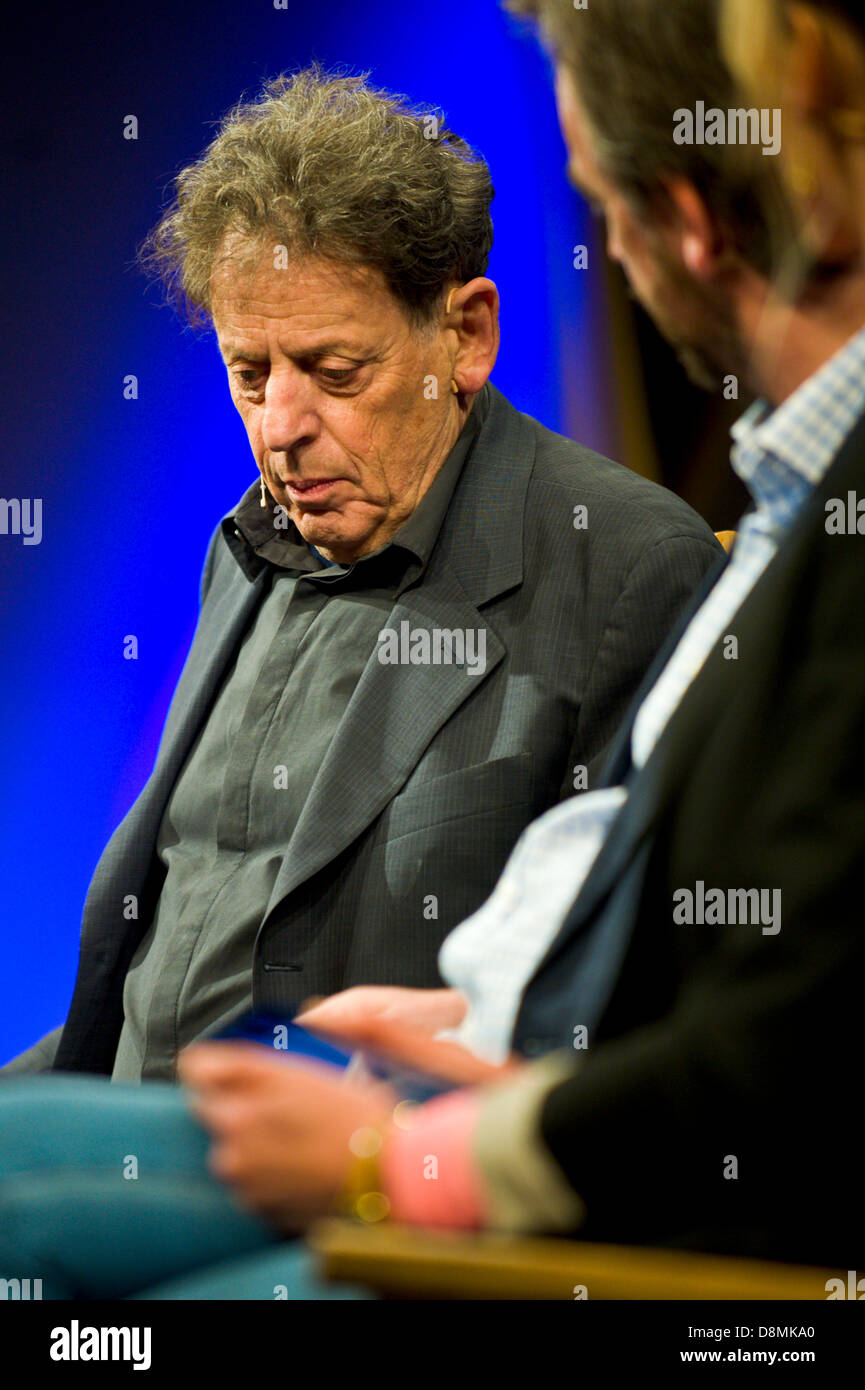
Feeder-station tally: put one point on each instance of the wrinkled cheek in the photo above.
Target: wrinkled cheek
(259, 453)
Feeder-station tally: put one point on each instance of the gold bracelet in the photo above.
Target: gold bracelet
(360, 1195)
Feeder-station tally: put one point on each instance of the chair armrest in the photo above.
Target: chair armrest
(412, 1262)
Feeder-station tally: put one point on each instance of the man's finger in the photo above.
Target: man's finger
(413, 1048)
(223, 1064)
(311, 1003)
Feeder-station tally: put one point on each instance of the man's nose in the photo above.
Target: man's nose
(613, 246)
(289, 416)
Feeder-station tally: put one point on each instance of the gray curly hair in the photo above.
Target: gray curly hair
(329, 166)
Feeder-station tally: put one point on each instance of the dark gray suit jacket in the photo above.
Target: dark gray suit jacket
(707, 1042)
(434, 772)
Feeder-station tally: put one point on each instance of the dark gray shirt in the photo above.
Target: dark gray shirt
(251, 768)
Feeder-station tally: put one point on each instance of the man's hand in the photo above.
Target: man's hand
(427, 1011)
(281, 1131)
(400, 1025)
(387, 1039)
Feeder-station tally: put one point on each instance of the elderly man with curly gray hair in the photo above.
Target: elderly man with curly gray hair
(420, 626)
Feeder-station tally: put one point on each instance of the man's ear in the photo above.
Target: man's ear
(811, 85)
(474, 318)
(694, 231)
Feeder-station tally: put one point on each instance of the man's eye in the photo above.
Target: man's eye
(337, 375)
(248, 376)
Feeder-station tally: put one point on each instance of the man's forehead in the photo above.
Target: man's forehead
(320, 304)
(582, 167)
(249, 277)
(299, 316)
(247, 345)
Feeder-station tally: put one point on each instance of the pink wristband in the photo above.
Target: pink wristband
(427, 1171)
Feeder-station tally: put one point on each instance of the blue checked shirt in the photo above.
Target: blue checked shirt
(781, 455)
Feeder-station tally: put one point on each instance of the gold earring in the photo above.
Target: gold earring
(454, 387)
(263, 493)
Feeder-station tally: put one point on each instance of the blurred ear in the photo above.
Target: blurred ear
(690, 227)
(825, 73)
(778, 58)
(810, 81)
(750, 32)
(474, 318)
(824, 113)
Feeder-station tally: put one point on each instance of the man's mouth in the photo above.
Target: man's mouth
(311, 489)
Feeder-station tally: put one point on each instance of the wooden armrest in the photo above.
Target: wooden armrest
(726, 538)
(417, 1263)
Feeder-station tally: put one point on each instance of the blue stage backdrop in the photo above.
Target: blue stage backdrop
(131, 489)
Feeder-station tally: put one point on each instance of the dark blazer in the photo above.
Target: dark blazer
(433, 773)
(707, 1043)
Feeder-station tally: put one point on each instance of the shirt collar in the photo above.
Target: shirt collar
(265, 536)
(782, 454)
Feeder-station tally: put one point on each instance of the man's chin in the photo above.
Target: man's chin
(330, 540)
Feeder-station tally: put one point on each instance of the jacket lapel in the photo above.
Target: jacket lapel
(396, 710)
(618, 766)
(393, 715)
(221, 627)
(129, 855)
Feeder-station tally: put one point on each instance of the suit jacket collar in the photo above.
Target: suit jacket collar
(481, 541)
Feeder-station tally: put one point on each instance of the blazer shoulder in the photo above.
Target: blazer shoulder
(623, 509)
